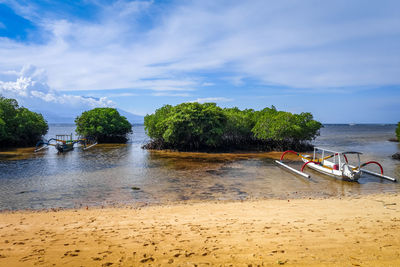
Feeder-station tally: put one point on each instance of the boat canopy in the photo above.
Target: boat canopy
(351, 152)
(337, 152)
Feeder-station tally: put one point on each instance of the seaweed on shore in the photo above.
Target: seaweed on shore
(252, 145)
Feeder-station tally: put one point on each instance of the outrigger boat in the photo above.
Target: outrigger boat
(334, 164)
(65, 142)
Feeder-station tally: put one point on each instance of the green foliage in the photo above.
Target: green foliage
(3, 128)
(398, 131)
(155, 123)
(31, 125)
(187, 126)
(104, 124)
(281, 125)
(239, 125)
(194, 126)
(18, 125)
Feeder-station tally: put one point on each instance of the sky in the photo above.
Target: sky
(339, 60)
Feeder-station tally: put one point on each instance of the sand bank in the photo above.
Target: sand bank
(299, 232)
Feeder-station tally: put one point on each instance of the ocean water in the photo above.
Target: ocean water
(128, 175)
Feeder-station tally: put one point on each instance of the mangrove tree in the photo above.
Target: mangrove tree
(106, 125)
(18, 125)
(207, 127)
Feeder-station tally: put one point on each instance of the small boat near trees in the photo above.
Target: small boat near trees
(344, 165)
(65, 142)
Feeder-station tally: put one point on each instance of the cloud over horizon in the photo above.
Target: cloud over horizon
(29, 86)
(205, 49)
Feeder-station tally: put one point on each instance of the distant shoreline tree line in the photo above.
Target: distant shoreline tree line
(398, 131)
(397, 155)
(207, 127)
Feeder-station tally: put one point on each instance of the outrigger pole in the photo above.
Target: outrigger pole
(90, 146)
(65, 143)
(292, 169)
(43, 147)
(379, 175)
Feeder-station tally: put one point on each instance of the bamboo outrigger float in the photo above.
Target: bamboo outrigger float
(334, 164)
(65, 142)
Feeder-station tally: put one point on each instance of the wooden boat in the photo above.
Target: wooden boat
(65, 142)
(335, 164)
(64, 147)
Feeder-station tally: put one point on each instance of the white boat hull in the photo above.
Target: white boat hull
(353, 176)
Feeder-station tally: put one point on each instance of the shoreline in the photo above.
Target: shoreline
(191, 202)
(346, 231)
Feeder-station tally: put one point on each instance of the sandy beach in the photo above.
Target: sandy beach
(361, 231)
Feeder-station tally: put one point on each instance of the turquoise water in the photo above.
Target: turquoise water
(107, 174)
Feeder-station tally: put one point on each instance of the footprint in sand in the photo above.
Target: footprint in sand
(72, 253)
(26, 258)
(150, 259)
(188, 254)
(105, 252)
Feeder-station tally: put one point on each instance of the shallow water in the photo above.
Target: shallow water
(127, 174)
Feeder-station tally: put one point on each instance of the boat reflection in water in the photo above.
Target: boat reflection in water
(110, 174)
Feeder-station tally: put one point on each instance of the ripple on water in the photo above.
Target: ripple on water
(126, 174)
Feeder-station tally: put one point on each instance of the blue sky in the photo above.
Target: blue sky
(339, 60)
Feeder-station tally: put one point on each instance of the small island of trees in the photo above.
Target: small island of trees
(105, 125)
(207, 127)
(18, 125)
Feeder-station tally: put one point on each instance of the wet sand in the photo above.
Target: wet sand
(361, 231)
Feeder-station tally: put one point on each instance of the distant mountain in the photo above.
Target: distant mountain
(56, 117)
(68, 117)
(132, 118)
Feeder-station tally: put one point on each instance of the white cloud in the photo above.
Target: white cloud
(212, 100)
(31, 90)
(121, 94)
(207, 84)
(165, 85)
(296, 44)
(235, 80)
(171, 94)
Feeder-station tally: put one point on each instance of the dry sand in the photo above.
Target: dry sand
(361, 231)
